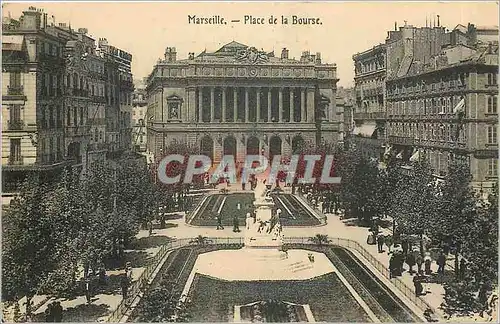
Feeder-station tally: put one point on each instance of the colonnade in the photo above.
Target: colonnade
(254, 104)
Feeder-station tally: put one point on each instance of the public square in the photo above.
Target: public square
(135, 186)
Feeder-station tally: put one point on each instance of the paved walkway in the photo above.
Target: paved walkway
(103, 304)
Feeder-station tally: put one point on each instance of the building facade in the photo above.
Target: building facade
(369, 109)
(239, 100)
(139, 110)
(446, 109)
(55, 107)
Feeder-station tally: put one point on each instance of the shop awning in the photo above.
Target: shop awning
(415, 157)
(365, 130)
(12, 42)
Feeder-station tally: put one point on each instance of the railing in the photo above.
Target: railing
(16, 125)
(15, 90)
(350, 244)
(142, 283)
(321, 217)
(372, 115)
(145, 279)
(18, 160)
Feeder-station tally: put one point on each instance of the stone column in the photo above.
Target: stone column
(258, 104)
(302, 105)
(212, 104)
(269, 105)
(223, 117)
(191, 106)
(310, 105)
(200, 104)
(235, 104)
(291, 104)
(246, 104)
(280, 106)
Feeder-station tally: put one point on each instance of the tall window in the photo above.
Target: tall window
(492, 135)
(492, 78)
(492, 104)
(15, 113)
(15, 79)
(15, 150)
(493, 167)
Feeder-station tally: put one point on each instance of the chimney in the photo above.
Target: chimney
(395, 26)
(284, 53)
(438, 20)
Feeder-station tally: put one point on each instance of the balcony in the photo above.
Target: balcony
(16, 125)
(16, 160)
(400, 140)
(368, 116)
(15, 90)
(14, 93)
(125, 84)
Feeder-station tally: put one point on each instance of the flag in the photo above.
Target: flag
(460, 107)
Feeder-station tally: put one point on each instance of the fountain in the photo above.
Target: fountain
(263, 230)
(262, 256)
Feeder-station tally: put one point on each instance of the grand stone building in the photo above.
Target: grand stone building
(239, 100)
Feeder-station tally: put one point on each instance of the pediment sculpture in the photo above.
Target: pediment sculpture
(252, 55)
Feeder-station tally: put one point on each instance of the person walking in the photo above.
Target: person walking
(49, 313)
(58, 312)
(380, 242)
(236, 224)
(219, 222)
(419, 260)
(417, 283)
(124, 285)
(410, 261)
(427, 264)
(441, 262)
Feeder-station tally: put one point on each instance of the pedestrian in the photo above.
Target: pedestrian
(427, 264)
(417, 283)
(124, 285)
(380, 242)
(58, 311)
(87, 290)
(150, 227)
(441, 262)
(410, 261)
(461, 271)
(243, 185)
(49, 313)
(419, 260)
(219, 222)
(236, 227)
(392, 267)
(102, 275)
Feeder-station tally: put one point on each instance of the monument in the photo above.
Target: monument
(264, 230)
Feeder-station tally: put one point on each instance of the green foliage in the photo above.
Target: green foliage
(79, 221)
(29, 251)
(320, 239)
(162, 304)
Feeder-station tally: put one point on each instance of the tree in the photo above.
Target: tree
(456, 209)
(163, 304)
(29, 252)
(413, 204)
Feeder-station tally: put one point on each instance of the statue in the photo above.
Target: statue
(249, 221)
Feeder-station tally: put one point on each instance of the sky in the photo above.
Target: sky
(145, 29)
